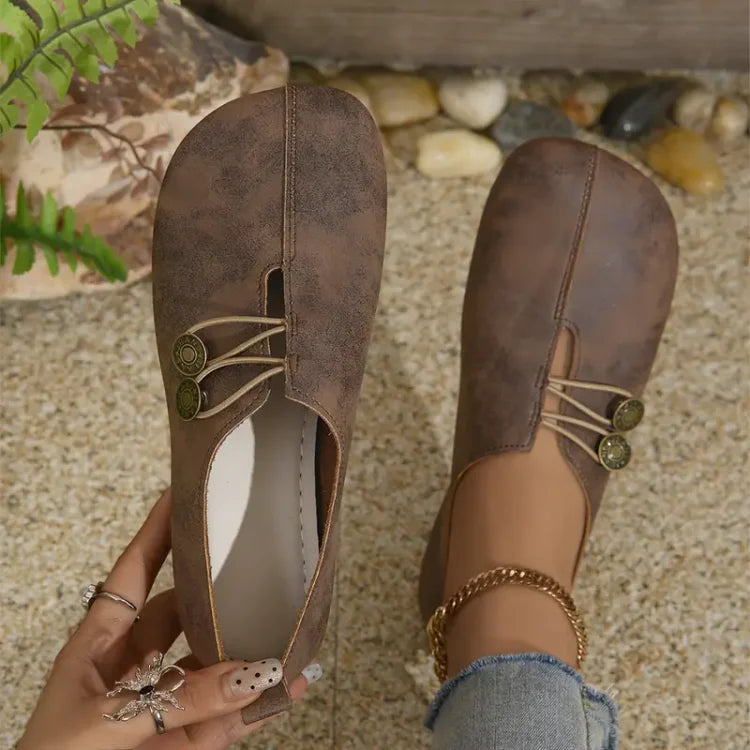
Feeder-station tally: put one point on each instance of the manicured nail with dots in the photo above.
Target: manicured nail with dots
(252, 679)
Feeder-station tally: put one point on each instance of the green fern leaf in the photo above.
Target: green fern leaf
(48, 225)
(75, 38)
(36, 113)
(54, 233)
(68, 232)
(24, 256)
(23, 218)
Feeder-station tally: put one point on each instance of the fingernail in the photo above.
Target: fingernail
(254, 677)
(312, 673)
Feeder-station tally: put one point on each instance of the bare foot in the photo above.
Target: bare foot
(524, 509)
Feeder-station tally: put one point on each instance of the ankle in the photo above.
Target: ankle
(525, 510)
(509, 620)
(517, 509)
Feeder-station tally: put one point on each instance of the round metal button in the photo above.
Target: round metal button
(628, 414)
(189, 354)
(614, 451)
(188, 399)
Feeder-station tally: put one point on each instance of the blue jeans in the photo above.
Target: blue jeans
(521, 702)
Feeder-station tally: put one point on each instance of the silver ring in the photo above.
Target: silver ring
(158, 720)
(148, 696)
(93, 591)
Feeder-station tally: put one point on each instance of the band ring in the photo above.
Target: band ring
(158, 720)
(93, 591)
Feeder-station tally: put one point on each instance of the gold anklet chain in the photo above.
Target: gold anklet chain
(436, 627)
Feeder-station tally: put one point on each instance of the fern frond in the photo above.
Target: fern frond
(54, 233)
(75, 38)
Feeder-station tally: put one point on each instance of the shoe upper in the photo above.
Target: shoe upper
(293, 180)
(571, 238)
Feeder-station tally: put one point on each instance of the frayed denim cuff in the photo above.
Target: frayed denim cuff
(588, 694)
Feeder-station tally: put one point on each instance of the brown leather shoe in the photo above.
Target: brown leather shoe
(268, 249)
(571, 238)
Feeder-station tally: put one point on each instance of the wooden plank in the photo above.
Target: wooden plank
(607, 34)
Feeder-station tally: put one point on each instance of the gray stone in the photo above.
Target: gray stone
(522, 121)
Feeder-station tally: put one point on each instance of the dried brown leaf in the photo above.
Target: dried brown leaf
(132, 130)
(160, 140)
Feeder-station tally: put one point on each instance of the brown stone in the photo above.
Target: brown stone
(586, 102)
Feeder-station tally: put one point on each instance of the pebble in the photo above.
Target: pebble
(456, 153)
(585, 104)
(400, 99)
(547, 86)
(327, 66)
(402, 142)
(636, 111)
(522, 120)
(473, 102)
(693, 109)
(686, 159)
(352, 87)
(729, 120)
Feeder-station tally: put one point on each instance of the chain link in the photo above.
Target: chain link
(436, 627)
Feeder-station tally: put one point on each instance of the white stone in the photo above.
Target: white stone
(456, 153)
(474, 102)
(400, 99)
(352, 87)
(729, 120)
(693, 109)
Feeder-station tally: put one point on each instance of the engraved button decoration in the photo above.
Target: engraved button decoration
(614, 451)
(628, 414)
(190, 358)
(188, 399)
(189, 354)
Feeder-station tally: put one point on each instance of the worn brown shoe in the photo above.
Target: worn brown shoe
(268, 248)
(572, 238)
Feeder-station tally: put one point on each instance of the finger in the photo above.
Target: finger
(219, 733)
(158, 626)
(209, 693)
(134, 572)
(190, 662)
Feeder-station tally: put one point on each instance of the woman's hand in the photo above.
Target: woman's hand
(108, 646)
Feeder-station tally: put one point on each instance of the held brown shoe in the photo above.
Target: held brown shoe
(268, 249)
(572, 239)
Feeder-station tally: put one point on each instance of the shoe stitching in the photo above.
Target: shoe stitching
(566, 445)
(301, 499)
(290, 236)
(559, 305)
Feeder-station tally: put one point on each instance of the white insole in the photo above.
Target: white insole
(263, 526)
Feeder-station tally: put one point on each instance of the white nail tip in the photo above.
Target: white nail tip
(312, 673)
